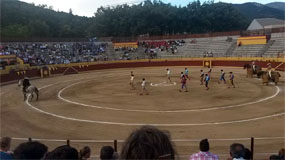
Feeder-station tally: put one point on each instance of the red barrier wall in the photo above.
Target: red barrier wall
(242, 63)
(60, 70)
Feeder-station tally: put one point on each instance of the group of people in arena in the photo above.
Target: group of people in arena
(147, 142)
(185, 76)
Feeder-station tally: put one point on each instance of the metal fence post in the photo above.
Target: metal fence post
(115, 145)
(252, 147)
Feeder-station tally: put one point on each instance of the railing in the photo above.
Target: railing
(259, 148)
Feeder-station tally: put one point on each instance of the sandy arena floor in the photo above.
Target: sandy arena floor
(101, 106)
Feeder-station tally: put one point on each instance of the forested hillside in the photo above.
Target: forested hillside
(20, 19)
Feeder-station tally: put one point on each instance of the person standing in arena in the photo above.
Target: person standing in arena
(181, 75)
(132, 80)
(186, 73)
(222, 77)
(207, 79)
(201, 77)
(253, 66)
(168, 75)
(183, 83)
(269, 70)
(232, 80)
(144, 90)
(209, 71)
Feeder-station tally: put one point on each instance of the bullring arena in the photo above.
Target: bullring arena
(97, 106)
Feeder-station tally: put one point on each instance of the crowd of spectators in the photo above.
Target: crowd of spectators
(147, 142)
(208, 54)
(152, 48)
(127, 51)
(56, 53)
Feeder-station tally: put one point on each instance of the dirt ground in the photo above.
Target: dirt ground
(100, 105)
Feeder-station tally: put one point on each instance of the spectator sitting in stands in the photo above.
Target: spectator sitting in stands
(239, 44)
(107, 153)
(30, 150)
(148, 142)
(85, 153)
(63, 152)
(237, 151)
(211, 54)
(229, 39)
(5, 147)
(204, 152)
(194, 41)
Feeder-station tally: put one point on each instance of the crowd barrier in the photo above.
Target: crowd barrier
(190, 146)
(20, 72)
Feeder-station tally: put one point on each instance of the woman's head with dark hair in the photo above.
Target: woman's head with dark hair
(63, 152)
(237, 150)
(204, 145)
(30, 150)
(148, 142)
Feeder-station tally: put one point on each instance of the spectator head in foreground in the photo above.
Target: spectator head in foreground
(30, 150)
(204, 145)
(275, 157)
(237, 151)
(106, 153)
(85, 153)
(280, 156)
(5, 144)
(63, 152)
(282, 153)
(148, 142)
(204, 152)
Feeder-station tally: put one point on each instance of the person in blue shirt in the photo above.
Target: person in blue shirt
(222, 77)
(186, 73)
(207, 79)
(4, 148)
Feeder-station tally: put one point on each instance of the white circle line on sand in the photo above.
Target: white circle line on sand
(154, 124)
(156, 111)
(163, 84)
(140, 124)
(174, 140)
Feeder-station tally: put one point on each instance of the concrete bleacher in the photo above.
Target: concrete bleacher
(248, 50)
(277, 49)
(218, 46)
(221, 48)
